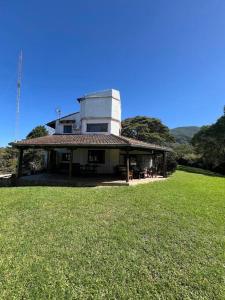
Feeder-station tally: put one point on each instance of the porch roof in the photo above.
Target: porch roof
(86, 140)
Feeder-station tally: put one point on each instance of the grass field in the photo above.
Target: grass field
(163, 240)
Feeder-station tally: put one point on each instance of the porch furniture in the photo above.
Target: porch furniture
(139, 173)
(122, 171)
(136, 172)
(143, 173)
(88, 169)
(131, 175)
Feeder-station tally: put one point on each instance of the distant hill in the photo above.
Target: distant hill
(183, 135)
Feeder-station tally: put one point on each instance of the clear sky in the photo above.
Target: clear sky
(167, 58)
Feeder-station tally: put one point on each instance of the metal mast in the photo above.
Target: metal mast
(58, 112)
(19, 79)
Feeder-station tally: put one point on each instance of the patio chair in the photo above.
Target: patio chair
(131, 175)
(143, 173)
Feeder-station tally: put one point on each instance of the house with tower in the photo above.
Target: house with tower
(89, 143)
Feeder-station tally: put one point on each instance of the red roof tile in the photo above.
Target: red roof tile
(85, 140)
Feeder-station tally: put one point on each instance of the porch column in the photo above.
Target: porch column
(164, 164)
(71, 163)
(128, 166)
(48, 160)
(19, 163)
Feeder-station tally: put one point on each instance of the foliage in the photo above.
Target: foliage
(2, 151)
(185, 154)
(171, 162)
(163, 240)
(150, 130)
(209, 142)
(206, 148)
(8, 160)
(183, 135)
(38, 131)
(34, 160)
(198, 171)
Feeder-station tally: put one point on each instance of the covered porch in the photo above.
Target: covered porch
(94, 160)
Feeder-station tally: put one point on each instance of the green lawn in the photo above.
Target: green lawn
(163, 240)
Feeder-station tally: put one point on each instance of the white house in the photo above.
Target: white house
(90, 141)
(100, 112)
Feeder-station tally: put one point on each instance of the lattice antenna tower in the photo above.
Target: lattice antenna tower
(18, 94)
(58, 112)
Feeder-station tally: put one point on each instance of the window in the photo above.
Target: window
(97, 127)
(67, 129)
(65, 156)
(96, 156)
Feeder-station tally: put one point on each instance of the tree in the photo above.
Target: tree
(171, 164)
(34, 160)
(185, 154)
(38, 131)
(8, 160)
(209, 142)
(150, 130)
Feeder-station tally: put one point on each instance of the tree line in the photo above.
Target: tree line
(33, 159)
(205, 150)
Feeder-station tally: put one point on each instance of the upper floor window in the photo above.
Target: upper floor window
(67, 129)
(97, 127)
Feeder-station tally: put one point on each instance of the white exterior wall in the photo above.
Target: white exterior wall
(95, 107)
(81, 156)
(77, 124)
(116, 109)
(102, 107)
(115, 127)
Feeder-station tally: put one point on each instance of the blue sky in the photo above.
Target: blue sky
(167, 58)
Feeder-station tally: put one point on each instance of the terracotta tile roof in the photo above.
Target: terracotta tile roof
(85, 140)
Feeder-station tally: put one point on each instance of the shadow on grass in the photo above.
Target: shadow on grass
(199, 171)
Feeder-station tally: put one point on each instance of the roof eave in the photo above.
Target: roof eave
(53, 121)
(51, 124)
(151, 148)
(125, 146)
(17, 145)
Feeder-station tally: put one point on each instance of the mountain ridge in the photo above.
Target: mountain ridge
(184, 134)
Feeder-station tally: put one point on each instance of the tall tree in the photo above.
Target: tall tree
(147, 129)
(38, 131)
(210, 143)
(150, 130)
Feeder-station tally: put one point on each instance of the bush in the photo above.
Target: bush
(220, 169)
(171, 162)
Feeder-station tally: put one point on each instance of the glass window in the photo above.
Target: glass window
(97, 127)
(67, 129)
(96, 156)
(65, 156)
